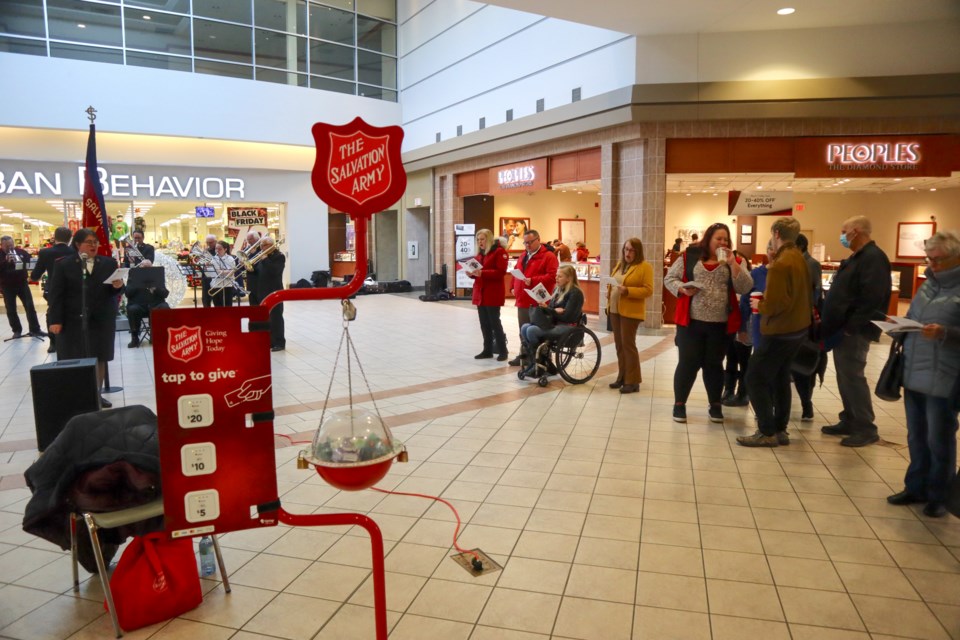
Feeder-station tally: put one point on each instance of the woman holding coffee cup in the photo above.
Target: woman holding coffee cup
(707, 313)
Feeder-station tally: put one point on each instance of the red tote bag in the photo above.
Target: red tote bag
(156, 579)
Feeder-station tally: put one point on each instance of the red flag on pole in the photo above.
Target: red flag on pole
(94, 211)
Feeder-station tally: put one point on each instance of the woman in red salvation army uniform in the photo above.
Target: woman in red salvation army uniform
(489, 294)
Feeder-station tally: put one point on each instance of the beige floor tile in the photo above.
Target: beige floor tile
(949, 617)
(766, 482)
(801, 572)
(601, 583)
(521, 610)
(499, 515)
(549, 521)
(414, 627)
(838, 525)
(726, 515)
(187, 629)
(14, 566)
(732, 496)
(857, 550)
(401, 589)
(671, 510)
(270, 572)
(901, 530)
(658, 558)
(567, 482)
(806, 632)
(546, 546)
(794, 545)
(744, 599)
(564, 501)
(819, 608)
(450, 600)
(671, 533)
(912, 555)
(18, 601)
(620, 487)
(493, 540)
(816, 502)
(899, 618)
(492, 633)
(741, 567)
(873, 580)
(328, 581)
(671, 591)
(729, 628)
(782, 520)
(513, 496)
(528, 574)
(232, 609)
(355, 551)
(593, 620)
(54, 619)
(670, 624)
(415, 559)
(601, 552)
(730, 538)
(613, 527)
(668, 491)
(302, 543)
(291, 616)
(935, 586)
(616, 506)
(718, 479)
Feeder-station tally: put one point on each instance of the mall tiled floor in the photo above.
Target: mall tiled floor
(611, 521)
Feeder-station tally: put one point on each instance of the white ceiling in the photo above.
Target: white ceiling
(658, 17)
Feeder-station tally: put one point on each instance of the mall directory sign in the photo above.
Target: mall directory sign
(215, 418)
(358, 168)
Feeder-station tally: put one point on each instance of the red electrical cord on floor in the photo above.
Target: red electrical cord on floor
(456, 533)
(292, 441)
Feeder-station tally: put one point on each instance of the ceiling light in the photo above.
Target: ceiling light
(81, 26)
(759, 187)
(688, 194)
(146, 17)
(785, 11)
(715, 194)
(933, 188)
(897, 179)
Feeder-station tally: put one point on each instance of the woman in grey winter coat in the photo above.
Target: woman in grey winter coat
(930, 373)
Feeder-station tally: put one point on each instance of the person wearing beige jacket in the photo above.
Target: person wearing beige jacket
(626, 304)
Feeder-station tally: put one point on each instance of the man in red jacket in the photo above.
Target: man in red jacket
(540, 267)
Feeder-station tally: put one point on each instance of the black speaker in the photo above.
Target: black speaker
(61, 390)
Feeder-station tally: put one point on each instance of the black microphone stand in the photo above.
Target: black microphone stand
(84, 316)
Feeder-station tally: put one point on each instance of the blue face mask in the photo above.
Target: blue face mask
(844, 241)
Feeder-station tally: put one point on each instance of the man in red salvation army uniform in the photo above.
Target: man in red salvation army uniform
(540, 267)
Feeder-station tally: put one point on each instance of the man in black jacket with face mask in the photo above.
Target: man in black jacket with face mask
(859, 293)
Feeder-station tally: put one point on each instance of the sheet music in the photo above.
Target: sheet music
(898, 325)
(519, 275)
(539, 293)
(119, 274)
(470, 264)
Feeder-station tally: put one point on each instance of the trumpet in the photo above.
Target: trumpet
(246, 262)
(131, 251)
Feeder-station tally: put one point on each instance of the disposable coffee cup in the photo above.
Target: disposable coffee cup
(758, 296)
(721, 255)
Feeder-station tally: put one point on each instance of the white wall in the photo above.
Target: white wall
(462, 61)
(52, 93)
(825, 213)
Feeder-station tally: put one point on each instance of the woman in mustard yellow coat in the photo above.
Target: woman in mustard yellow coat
(626, 304)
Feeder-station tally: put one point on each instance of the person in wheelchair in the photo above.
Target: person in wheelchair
(553, 319)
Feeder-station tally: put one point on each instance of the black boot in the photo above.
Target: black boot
(729, 384)
(739, 399)
(501, 342)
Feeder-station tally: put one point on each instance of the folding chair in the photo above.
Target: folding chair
(146, 331)
(112, 520)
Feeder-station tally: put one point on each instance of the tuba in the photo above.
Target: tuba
(131, 252)
(247, 259)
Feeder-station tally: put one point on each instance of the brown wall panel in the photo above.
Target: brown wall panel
(588, 166)
(697, 155)
(563, 168)
(761, 155)
(466, 183)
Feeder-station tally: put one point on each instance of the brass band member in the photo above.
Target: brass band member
(225, 266)
(268, 274)
(211, 248)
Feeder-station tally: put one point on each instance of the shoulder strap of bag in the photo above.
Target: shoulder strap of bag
(150, 551)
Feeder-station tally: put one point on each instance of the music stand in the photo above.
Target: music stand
(192, 273)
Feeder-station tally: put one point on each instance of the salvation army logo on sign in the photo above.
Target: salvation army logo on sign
(358, 168)
(184, 343)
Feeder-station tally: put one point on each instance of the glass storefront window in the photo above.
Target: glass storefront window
(22, 17)
(346, 5)
(86, 22)
(376, 35)
(331, 60)
(386, 9)
(281, 51)
(329, 84)
(179, 6)
(23, 45)
(90, 54)
(230, 10)
(376, 92)
(282, 15)
(222, 41)
(158, 61)
(331, 24)
(282, 77)
(154, 31)
(372, 68)
(223, 69)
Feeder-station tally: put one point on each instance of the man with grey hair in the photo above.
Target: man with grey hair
(859, 294)
(13, 278)
(784, 321)
(205, 280)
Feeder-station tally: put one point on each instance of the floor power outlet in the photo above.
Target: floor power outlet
(476, 562)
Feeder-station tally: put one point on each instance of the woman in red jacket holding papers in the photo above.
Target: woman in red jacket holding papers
(539, 266)
(489, 293)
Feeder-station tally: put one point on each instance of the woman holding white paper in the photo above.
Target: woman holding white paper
(489, 294)
(626, 304)
(556, 316)
(707, 314)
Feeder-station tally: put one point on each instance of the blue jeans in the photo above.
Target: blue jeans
(932, 439)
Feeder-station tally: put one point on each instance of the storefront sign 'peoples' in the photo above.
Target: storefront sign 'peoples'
(876, 155)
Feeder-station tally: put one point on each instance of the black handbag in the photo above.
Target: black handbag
(807, 359)
(891, 377)
(541, 317)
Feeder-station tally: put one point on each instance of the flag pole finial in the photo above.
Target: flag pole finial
(91, 113)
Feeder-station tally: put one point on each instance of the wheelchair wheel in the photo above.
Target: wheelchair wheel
(521, 375)
(578, 356)
(543, 381)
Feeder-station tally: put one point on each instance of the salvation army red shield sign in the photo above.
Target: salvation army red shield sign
(184, 343)
(358, 168)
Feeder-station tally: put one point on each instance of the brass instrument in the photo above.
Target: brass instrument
(131, 252)
(199, 256)
(246, 262)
